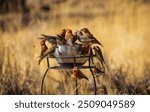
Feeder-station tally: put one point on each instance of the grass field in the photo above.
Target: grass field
(122, 27)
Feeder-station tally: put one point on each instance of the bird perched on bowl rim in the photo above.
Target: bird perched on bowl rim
(70, 37)
(99, 56)
(86, 33)
(78, 74)
(49, 52)
(61, 37)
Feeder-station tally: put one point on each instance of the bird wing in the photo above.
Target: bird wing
(50, 51)
(98, 54)
(48, 36)
(50, 39)
(94, 39)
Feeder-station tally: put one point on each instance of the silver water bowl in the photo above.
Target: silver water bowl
(68, 56)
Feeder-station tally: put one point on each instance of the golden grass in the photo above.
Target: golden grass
(124, 32)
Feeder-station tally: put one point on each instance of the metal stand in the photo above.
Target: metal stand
(69, 67)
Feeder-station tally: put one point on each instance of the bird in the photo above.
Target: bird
(50, 39)
(58, 39)
(81, 38)
(97, 71)
(53, 39)
(78, 74)
(98, 54)
(49, 52)
(61, 37)
(85, 48)
(86, 33)
(43, 48)
(70, 37)
(62, 33)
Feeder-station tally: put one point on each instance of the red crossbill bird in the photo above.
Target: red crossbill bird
(86, 33)
(78, 74)
(61, 37)
(49, 52)
(43, 47)
(70, 38)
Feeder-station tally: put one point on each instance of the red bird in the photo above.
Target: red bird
(49, 52)
(43, 47)
(61, 35)
(70, 38)
(78, 74)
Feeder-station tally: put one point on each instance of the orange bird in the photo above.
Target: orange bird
(86, 33)
(70, 38)
(78, 74)
(43, 48)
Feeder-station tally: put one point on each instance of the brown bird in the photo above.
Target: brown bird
(62, 33)
(85, 48)
(59, 39)
(86, 33)
(49, 52)
(53, 39)
(43, 47)
(70, 38)
(78, 74)
(98, 54)
(50, 39)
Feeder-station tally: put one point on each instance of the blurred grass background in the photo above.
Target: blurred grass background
(122, 26)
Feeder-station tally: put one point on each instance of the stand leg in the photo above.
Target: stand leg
(95, 86)
(76, 86)
(76, 80)
(43, 81)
